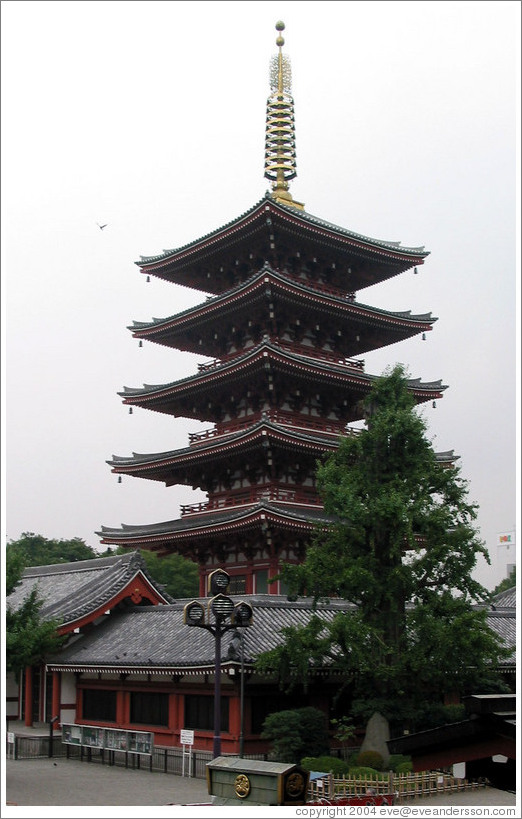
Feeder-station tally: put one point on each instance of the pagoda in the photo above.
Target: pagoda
(282, 331)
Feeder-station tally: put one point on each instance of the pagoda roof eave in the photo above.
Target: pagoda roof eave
(137, 462)
(298, 219)
(151, 394)
(210, 447)
(203, 311)
(210, 523)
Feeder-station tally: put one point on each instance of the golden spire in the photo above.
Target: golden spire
(280, 157)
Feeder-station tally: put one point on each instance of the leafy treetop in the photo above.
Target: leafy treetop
(402, 550)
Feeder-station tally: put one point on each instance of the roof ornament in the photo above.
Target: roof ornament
(280, 155)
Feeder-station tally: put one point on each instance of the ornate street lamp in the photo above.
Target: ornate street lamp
(222, 615)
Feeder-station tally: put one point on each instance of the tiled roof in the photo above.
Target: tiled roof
(505, 599)
(154, 638)
(71, 591)
(504, 624)
(306, 440)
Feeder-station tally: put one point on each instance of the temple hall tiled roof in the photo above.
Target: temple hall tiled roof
(154, 638)
(505, 599)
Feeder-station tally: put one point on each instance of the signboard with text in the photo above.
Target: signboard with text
(110, 739)
(186, 737)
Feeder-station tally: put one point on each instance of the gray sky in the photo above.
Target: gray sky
(149, 116)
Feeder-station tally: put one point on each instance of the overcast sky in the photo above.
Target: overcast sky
(149, 117)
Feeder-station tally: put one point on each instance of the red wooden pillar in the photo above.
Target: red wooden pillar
(28, 696)
(173, 712)
(249, 581)
(56, 698)
(180, 720)
(122, 715)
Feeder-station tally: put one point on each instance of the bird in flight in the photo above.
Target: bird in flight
(101, 226)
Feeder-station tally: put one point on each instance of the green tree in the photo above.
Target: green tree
(508, 583)
(402, 550)
(28, 639)
(296, 733)
(178, 575)
(36, 550)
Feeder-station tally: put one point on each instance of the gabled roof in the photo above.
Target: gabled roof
(258, 225)
(80, 591)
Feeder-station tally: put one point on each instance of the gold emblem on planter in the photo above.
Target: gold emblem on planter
(295, 784)
(242, 786)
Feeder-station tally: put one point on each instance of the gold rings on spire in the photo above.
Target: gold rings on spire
(280, 155)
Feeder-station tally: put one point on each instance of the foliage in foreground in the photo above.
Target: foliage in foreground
(28, 639)
(402, 550)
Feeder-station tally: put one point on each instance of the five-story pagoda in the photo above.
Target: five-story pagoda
(284, 331)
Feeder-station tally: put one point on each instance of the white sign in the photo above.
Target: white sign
(186, 737)
(10, 736)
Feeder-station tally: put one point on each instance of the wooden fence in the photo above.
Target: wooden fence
(400, 786)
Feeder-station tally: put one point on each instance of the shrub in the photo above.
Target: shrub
(363, 772)
(404, 767)
(327, 764)
(370, 759)
(398, 759)
(296, 733)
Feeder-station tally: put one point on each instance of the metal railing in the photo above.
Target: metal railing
(167, 760)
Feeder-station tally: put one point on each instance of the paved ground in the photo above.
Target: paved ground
(64, 782)
(71, 782)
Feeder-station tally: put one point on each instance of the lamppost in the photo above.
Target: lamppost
(223, 609)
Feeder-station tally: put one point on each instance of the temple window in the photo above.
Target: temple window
(199, 712)
(98, 704)
(149, 708)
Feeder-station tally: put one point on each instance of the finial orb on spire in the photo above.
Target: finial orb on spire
(280, 41)
(280, 26)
